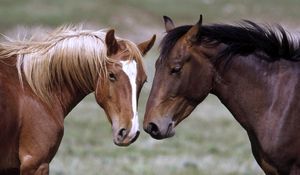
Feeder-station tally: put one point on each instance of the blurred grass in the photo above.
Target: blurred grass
(123, 13)
(209, 142)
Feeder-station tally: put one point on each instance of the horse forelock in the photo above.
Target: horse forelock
(68, 56)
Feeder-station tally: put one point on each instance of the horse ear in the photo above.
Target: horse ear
(111, 42)
(144, 47)
(194, 32)
(169, 25)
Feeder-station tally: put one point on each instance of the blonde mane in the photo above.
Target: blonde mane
(68, 56)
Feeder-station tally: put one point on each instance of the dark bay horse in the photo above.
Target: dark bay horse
(42, 80)
(255, 72)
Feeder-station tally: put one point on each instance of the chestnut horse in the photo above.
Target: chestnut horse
(41, 81)
(255, 72)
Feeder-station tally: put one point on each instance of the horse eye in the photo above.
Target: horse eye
(176, 70)
(112, 77)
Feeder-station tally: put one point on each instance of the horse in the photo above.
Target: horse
(43, 79)
(253, 69)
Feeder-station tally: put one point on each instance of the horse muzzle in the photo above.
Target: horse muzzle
(123, 138)
(161, 129)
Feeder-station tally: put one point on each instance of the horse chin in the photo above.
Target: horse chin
(127, 141)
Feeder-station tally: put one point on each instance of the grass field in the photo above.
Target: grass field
(209, 142)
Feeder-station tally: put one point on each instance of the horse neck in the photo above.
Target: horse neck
(242, 87)
(63, 99)
(67, 99)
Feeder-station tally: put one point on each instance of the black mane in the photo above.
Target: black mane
(245, 38)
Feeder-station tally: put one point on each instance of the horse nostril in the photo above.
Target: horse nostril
(153, 129)
(122, 134)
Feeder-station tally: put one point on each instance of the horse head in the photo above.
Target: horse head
(117, 92)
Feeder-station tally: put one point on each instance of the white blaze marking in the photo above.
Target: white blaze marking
(130, 68)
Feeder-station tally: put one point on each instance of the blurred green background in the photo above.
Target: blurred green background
(209, 142)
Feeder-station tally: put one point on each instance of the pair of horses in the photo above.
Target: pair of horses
(252, 69)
